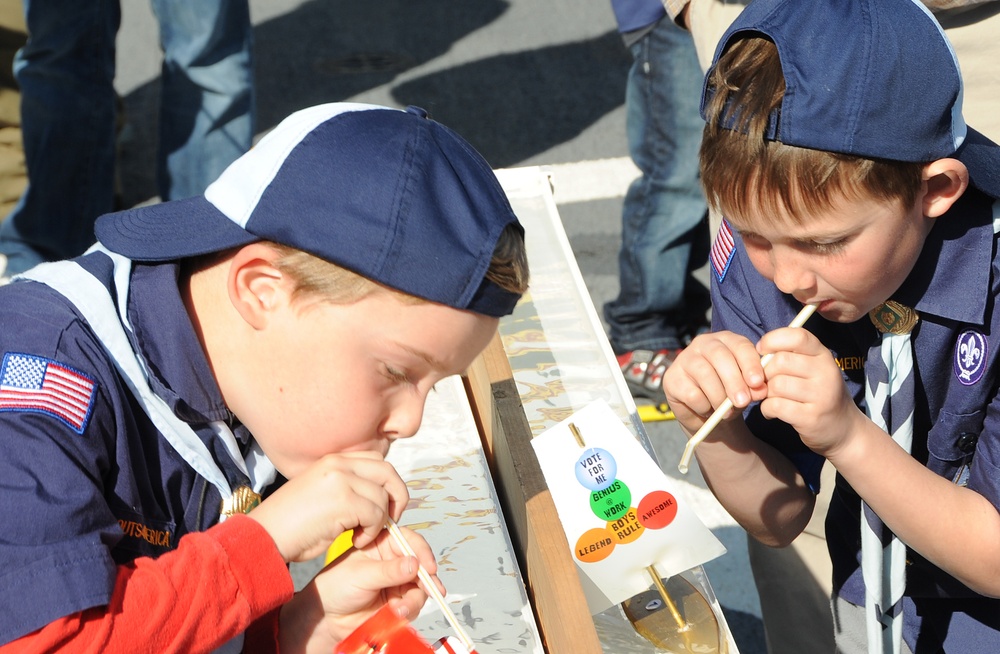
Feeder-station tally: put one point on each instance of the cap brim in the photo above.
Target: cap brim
(982, 157)
(171, 230)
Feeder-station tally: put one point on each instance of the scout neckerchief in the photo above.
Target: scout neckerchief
(889, 398)
(889, 374)
(109, 323)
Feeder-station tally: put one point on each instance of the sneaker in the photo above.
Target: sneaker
(643, 371)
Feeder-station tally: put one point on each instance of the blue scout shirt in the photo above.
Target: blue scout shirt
(86, 481)
(954, 287)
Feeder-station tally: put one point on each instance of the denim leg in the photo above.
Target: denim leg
(207, 98)
(664, 218)
(66, 73)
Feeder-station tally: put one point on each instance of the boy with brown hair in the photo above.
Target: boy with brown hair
(836, 150)
(252, 350)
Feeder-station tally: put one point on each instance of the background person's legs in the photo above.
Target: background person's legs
(664, 232)
(13, 173)
(65, 73)
(206, 98)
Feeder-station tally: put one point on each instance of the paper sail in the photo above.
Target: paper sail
(619, 511)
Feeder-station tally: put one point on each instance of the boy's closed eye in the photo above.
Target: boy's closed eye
(395, 375)
(823, 246)
(400, 377)
(817, 245)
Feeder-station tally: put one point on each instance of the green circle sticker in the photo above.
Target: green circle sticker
(612, 502)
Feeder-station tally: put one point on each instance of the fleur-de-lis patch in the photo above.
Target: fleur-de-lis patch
(970, 357)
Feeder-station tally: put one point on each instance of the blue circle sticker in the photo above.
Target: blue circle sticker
(596, 469)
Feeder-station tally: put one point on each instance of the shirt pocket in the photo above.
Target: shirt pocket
(952, 441)
(142, 536)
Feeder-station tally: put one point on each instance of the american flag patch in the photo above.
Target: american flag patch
(722, 250)
(38, 385)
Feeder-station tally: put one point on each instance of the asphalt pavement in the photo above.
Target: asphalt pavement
(527, 82)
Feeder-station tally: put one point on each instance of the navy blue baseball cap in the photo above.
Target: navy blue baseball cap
(389, 194)
(870, 78)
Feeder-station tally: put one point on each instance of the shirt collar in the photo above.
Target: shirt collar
(162, 330)
(951, 278)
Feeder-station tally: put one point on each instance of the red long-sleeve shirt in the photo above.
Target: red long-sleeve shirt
(217, 584)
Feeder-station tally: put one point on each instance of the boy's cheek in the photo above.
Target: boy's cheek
(761, 263)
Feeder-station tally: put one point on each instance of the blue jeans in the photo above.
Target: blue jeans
(664, 218)
(68, 107)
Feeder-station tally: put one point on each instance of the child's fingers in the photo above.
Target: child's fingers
(422, 549)
(691, 383)
(410, 600)
(398, 574)
(367, 490)
(806, 390)
(361, 579)
(801, 368)
(788, 339)
(389, 479)
(403, 589)
(371, 463)
(734, 364)
(775, 408)
(696, 388)
(336, 493)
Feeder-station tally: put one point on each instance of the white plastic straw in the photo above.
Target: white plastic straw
(717, 415)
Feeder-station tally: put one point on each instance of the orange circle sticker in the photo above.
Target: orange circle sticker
(657, 510)
(626, 528)
(595, 545)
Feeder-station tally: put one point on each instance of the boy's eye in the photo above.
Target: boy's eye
(396, 375)
(831, 247)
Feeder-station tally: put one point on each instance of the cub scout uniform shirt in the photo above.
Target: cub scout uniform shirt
(88, 481)
(954, 287)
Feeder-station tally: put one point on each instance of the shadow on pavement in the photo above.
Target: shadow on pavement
(509, 106)
(513, 106)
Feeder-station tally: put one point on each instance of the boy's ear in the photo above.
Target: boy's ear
(945, 180)
(255, 286)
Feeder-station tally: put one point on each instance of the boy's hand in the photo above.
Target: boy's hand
(356, 490)
(804, 386)
(806, 389)
(713, 367)
(350, 589)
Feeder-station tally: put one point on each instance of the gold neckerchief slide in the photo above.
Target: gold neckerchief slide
(891, 317)
(242, 501)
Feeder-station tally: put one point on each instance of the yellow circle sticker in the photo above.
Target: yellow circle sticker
(626, 528)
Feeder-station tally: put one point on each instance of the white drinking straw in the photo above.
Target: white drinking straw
(430, 586)
(717, 416)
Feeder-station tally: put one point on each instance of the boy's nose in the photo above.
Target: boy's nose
(791, 277)
(405, 419)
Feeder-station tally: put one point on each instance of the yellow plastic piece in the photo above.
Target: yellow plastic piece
(654, 412)
(343, 543)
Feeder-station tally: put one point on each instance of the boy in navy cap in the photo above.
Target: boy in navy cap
(287, 325)
(836, 150)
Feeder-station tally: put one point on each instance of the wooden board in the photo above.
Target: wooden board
(551, 359)
(550, 574)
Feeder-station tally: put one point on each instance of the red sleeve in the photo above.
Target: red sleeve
(193, 599)
(262, 635)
